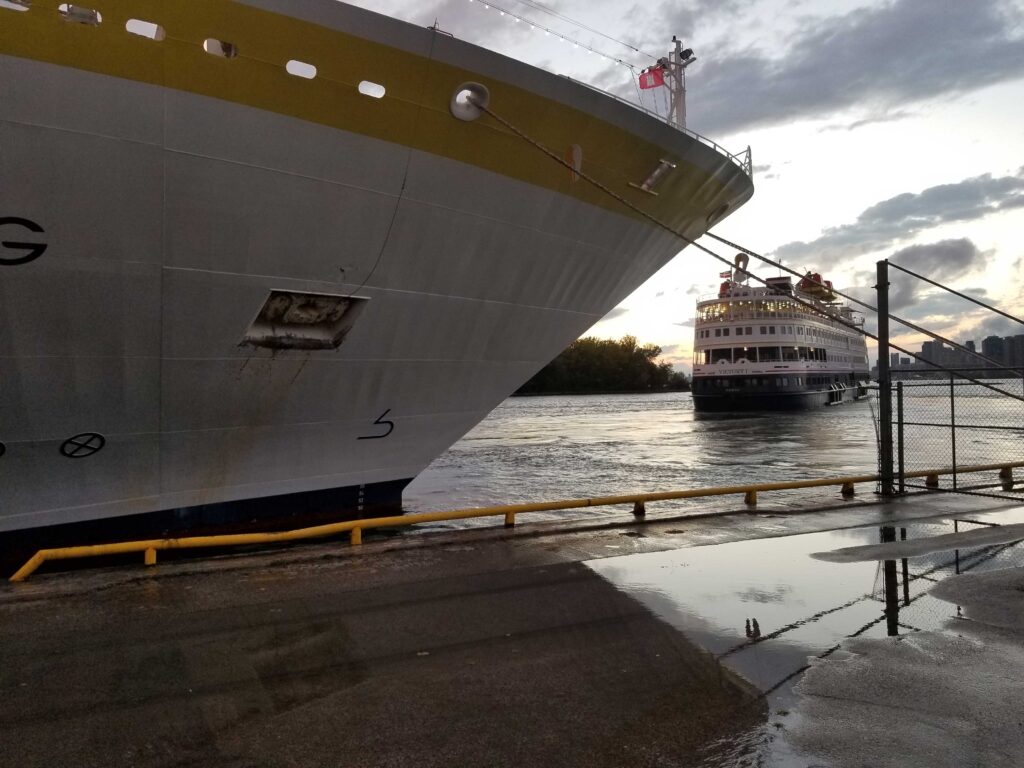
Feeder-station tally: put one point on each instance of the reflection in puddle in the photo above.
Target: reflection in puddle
(764, 608)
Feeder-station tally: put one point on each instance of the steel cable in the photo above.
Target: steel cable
(660, 224)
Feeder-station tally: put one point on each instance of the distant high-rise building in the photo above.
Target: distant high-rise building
(1013, 349)
(904, 361)
(932, 351)
(970, 345)
(894, 359)
(992, 347)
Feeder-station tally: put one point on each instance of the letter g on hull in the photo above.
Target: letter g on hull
(15, 252)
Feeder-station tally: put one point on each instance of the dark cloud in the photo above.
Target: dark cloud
(945, 262)
(764, 172)
(940, 306)
(470, 21)
(617, 312)
(903, 216)
(615, 79)
(659, 293)
(993, 325)
(877, 59)
(890, 117)
(682, 18)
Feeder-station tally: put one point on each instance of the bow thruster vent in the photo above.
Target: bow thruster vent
(293, 320)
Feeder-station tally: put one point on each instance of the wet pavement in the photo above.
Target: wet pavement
(767, 609)
(679, 641)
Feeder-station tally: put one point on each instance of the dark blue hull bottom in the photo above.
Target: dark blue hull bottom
(774, 401)
(270, 513)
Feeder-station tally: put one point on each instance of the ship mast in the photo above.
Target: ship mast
(676, 63)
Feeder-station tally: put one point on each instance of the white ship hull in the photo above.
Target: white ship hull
(172, 200)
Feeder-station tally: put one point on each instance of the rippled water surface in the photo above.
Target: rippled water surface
(546, 448)
(543, 448)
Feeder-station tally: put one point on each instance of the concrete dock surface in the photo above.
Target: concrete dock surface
(469, 648)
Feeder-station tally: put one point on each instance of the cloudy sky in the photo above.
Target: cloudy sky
(880, 129)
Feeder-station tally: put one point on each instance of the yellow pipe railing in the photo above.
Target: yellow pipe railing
(355, 527)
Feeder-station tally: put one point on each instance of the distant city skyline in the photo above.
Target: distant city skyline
(1003, 351)
(879, 128)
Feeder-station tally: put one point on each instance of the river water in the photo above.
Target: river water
(545, 448)
(533, 449)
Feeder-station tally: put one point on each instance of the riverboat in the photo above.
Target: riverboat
(265, 260)
(777, 345)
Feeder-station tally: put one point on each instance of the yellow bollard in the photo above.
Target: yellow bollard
(510, 519)
(149, 556)
(356, 537)
(931, 481)
(847, 490)
(750, 498)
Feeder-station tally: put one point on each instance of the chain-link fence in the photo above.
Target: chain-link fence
(938, 429)
(953, 425)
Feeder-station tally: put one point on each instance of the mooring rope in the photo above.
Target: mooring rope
(662, 225)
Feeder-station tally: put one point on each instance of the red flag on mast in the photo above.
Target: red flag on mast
(652, 78)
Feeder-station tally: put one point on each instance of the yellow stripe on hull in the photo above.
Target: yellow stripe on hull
(413, 113)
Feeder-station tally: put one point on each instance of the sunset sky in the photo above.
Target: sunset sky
(879, 128)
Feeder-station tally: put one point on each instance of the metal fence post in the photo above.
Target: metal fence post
(892, 604)
(900, 452)
(884, 381)
(952, 422)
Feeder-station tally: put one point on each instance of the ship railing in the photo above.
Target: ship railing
(755, 293)
(744, 159)
(763, 316)
(354, 528)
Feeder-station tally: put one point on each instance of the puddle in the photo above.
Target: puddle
(764, 607)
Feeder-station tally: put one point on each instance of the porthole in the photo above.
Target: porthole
(300, 69)
(469, 101)
(16, 5)
(374, 90)
(145, 29)
(79, 15)
(220, 48)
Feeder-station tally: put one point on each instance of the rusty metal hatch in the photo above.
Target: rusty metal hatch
(296, 320)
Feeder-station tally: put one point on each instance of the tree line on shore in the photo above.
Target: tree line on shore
(598, 366)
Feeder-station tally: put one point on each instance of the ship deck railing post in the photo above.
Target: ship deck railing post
(885, 469)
